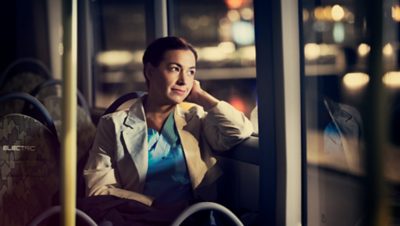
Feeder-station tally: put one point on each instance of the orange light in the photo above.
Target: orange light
(238, 103)
(234, 4)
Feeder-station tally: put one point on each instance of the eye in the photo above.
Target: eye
(174, 69)
(192, 72)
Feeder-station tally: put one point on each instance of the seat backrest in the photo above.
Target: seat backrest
(21, 76)
(206, 206)
(86, 131)
(48, 214)
(121, 100)
(49, 88)
(29, 161)
(53, 103)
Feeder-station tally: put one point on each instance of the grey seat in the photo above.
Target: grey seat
(85, 128)
(121, 100)
(21, 76)
(47, 214)
(50, 88)
(29, 175)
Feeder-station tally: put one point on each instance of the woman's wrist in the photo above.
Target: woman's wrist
(206, 100)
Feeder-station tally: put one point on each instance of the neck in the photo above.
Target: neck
(154, 107)
(156, 113)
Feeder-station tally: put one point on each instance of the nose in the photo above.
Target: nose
(183, 78)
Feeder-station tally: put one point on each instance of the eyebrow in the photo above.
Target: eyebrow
(180, 65)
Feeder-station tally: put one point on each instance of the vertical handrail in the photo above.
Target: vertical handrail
(272, 146)
(375, 108)
(69, 117)
(292, 117)
(160, 17)
(156, 19)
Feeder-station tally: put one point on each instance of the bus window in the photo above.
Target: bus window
(223, 32)
(336, 62)
(120, 38)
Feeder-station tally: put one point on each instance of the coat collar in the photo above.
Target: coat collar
(134, 137)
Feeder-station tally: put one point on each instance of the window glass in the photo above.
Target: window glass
(223, 34)
(336, 57)
(120, 38)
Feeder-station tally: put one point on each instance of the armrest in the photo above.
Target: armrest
(247, 151)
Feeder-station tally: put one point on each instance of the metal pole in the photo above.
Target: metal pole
(69, 117)
(375, 110)
(160, 17)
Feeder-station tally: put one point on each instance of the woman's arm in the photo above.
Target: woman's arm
(99, 172)
(201, 97)
(223, 126)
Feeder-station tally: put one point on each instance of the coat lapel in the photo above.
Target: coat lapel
(191, 149)
(134, 137)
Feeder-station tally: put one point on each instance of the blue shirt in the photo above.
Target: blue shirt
(167, 178)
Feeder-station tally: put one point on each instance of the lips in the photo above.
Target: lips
(179, 91)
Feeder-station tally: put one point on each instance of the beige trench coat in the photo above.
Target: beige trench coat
(118, 161)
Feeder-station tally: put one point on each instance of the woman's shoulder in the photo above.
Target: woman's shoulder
(115, 115)
(133, 105)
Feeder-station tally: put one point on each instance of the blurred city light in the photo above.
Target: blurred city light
(396, 13)
(355, 80)
(238, 103)
(248, 53)
(337, 13)
(392, 79)
(212, 53)
(227, 47)
(306, 15)
(333, 13)
(338, 32)
(247, 13)
(363, 49)
(311, 51)
(387, 50)
(243, 33)
(115, 57)
(234, 4)
(319, 13)
(233, 15)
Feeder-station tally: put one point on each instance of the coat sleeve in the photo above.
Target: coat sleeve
(225, 127)
(99, 172)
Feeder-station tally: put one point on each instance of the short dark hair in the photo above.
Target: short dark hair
(154, 53)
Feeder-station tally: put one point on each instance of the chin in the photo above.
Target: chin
(176, 99)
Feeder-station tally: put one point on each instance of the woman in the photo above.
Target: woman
(158, 152)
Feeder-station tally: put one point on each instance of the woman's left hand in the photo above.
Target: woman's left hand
(195, 92)
(199, 96)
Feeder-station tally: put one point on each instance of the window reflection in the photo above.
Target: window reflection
(336, 77)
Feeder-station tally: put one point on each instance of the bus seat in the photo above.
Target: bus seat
(86, 132)
(86, 129)
(121, 100)
(206, 206)
(28, 164)
(48, 94)
(48, 215)
(49, 88)
(21, 76)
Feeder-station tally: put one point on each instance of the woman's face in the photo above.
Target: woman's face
(172, 80)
